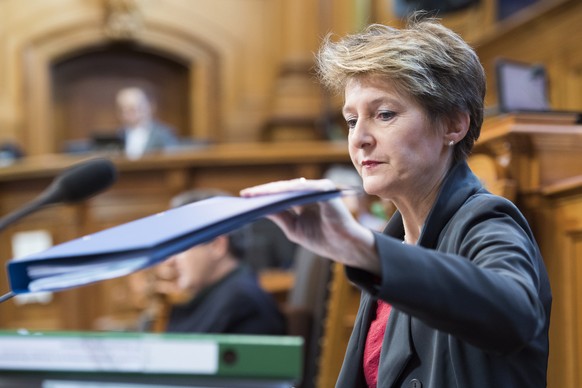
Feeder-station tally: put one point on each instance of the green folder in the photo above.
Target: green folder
(61, 359)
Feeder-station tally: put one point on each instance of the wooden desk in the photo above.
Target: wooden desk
(144, 187)
(278, 283)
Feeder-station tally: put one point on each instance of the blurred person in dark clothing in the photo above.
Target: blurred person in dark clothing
(219, 293)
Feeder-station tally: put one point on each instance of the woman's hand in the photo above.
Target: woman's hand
(326, 228)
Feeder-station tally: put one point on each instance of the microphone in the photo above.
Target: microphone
(75, 184)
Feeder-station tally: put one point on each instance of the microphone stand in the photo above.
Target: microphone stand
(6, 296)
(46, 198)
(75, 184)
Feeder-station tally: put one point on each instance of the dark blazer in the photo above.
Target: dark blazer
(160, 137)
(234, 305)
(471, 301)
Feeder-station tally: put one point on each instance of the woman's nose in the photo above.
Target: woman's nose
(361, 135)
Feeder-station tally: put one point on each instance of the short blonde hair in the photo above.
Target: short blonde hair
(425, 60)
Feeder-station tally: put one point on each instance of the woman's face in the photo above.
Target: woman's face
(391, 142)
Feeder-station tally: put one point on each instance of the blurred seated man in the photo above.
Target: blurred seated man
(140, 131)
(219, 293)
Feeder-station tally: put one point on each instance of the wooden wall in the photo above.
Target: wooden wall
(548, 34)
(235, 53)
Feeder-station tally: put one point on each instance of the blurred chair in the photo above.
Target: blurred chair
(306, 308)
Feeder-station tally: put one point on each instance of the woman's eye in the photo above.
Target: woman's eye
(351, 123)
(386, 115)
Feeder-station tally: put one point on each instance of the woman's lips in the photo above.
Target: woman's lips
(370, 163)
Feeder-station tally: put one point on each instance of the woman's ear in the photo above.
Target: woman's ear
(457, 128)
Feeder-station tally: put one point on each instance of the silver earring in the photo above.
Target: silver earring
(451, 143)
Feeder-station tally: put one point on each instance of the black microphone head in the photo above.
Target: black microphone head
(82, 181)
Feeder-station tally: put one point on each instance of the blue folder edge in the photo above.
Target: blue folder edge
(139, 244)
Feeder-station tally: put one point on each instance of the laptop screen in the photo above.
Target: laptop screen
(521, 86)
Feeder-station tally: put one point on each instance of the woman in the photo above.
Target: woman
(455, 293)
